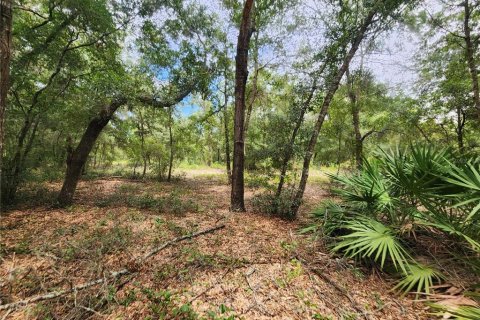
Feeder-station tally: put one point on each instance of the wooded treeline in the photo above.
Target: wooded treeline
(89, 84)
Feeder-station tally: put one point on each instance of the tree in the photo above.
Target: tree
(185, 65)
(383, 11)
(59, 43)
(471, 44)
(5, 54)
(76, 158)
(241, 76)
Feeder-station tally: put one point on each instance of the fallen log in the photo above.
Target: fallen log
(112, 275)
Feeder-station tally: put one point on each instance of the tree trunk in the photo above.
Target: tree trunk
(241, 75)
(253, 94)
(291, 142)
(144, 172)
(470, 52)
(141, 132)
(354, 96)
(11, 176)
(459, 129)
(227, 134)
(135, 169)
(323, 111)
(339, 149)
(77, 158)
(5, 54)
(170, 162)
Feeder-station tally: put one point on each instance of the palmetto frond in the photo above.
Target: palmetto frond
(370, 238)
(419, 277)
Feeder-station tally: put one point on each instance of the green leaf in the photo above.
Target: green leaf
(418, 276)
(370, 238)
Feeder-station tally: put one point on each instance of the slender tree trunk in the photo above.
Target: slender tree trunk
(470, 53)
(144, 172)
(241, 75)
(325, 105)
(339, 149)
(227, 135)
(170, 162)
(459, 129)
(77, 158)
(291, 142)
(354, 96)
(95, 157)
(5, 54)
(141, 132)
(11, 176)
(253, 94)
(423, 133)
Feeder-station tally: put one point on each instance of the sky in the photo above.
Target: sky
(392, 64)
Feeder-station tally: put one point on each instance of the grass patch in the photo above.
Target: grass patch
(99, 242)
(171, 203)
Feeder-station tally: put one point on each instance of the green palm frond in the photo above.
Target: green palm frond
(415, 173)
(467, 179)
(370, 238)
(466, 313)
(328, 217)
(367, 189)
(460, 313)
(419, 277)
(456, 231)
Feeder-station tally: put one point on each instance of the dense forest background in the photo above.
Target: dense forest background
(72, 58)
(376, 103)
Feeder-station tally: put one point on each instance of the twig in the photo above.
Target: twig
(112, 275)
(336, 286)
(217, 281)
(92, 311)
(257, 303)
(5, 316)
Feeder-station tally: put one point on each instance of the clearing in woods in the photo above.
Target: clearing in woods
(257, 267)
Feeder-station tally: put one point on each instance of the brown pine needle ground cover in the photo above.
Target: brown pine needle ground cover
(257, 267)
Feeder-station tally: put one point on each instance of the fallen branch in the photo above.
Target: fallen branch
(112, 275)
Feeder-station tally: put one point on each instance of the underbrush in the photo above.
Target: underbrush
(98, 242)
(163, 304)
(171, 203)
(405, 210)
(268, 203)
(35, 194)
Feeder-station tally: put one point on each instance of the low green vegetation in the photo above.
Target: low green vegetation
(400, 204)
(173, 202)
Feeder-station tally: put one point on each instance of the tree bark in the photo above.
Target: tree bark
(459, 129)
(324, 109)
(5, 56)
(77, 158)
(291, 142)
(227, 134)
(241, 75)
(354, 96)
(253, 94)
(170, 142)
(470, 52)
(141, 131)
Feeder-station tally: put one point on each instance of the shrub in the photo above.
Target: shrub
(268, 203)
(422, 187)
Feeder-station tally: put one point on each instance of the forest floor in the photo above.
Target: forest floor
(257, 267)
